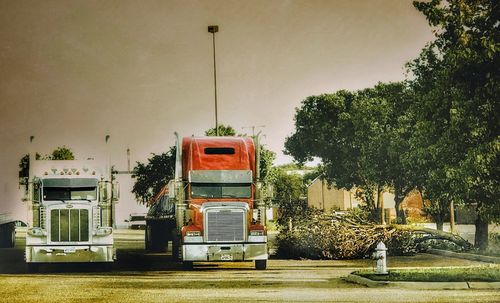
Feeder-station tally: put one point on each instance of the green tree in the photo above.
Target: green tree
(224, 130)
(361, 138)
(60, 153)
(289, 195)
(456, 80)
(153, 175)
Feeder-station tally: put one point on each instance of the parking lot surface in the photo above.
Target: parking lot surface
(138, 276)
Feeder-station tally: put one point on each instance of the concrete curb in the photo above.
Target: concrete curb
(472, 257)
(365, 281)
(422, 285)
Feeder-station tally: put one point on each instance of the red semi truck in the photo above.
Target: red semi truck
(218, 211)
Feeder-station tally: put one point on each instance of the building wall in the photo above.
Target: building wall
(320, 196)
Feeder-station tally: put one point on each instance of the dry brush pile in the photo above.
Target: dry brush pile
(335, 236)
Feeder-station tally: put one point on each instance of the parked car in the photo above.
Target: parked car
(137, 221)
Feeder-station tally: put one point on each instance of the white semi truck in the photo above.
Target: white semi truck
(70, 205)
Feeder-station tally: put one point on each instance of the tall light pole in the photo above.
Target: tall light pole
(213, 29)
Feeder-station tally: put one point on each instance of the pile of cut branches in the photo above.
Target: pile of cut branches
(345, 236)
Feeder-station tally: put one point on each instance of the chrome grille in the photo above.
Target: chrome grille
(225, 226)
(69, 225)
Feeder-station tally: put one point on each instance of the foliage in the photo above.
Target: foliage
(266, 164)
(289, 192)
(60, 153)
(360, 137)
(153, 175)
(224, 130)
(331, 236)
(311, 175)
(456, 141)
(319, 235)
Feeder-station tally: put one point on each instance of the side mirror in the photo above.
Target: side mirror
(26, 191)
(127, 221)
(116, 191)
(171, 189)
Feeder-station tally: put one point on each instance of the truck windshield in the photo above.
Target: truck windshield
(69, 193)
(221, 190)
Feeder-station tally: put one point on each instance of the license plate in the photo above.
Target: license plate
(69, 250)
(226, 257)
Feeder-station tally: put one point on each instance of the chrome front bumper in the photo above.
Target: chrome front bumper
(60, 254)
(224, 252)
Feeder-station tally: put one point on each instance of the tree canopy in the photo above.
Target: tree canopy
(456, 80)
(224, 130)
(437, 132)
(360, 137)
(153, 175)
(60, 153)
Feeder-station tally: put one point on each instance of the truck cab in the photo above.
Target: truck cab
(70, 206)
(218, 205)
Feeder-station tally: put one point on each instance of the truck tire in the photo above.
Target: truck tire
(187, 265)
(147, 236)
(157, 236)
(106, 266)
(260, 264)
(33, 267)
(176, 245)
(7, 235)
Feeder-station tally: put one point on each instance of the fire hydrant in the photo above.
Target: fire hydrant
(380, 255)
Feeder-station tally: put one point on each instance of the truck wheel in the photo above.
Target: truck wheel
(7, 235)
(107, 266)
(12, 235)
(33, 267)
(260, 264)
(187, 265)
(147, 237)
(175, 246)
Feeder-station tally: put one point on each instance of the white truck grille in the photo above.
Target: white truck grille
(225, 226)
(69, 225)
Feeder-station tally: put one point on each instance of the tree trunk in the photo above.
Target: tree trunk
(439, 222)
(398, 199)
(435, 234)
(481, 235)
(401, 216)
(452, 217)
(380, 205)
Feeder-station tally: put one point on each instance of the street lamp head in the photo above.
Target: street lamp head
(213, 29)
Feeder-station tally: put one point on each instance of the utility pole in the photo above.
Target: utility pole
(128, 160)
(253, 127)
(213, 29)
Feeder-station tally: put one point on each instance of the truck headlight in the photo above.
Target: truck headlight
(37, 232)
(103, 231)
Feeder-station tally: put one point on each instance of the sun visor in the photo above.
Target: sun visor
(220, 176)
(69, 182)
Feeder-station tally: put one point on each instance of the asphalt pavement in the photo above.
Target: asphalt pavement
(138, 276)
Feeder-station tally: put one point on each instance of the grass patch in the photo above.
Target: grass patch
(489, 273)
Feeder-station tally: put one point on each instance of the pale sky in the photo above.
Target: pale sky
(73, 71)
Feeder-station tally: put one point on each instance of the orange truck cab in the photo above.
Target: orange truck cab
(218, 204)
